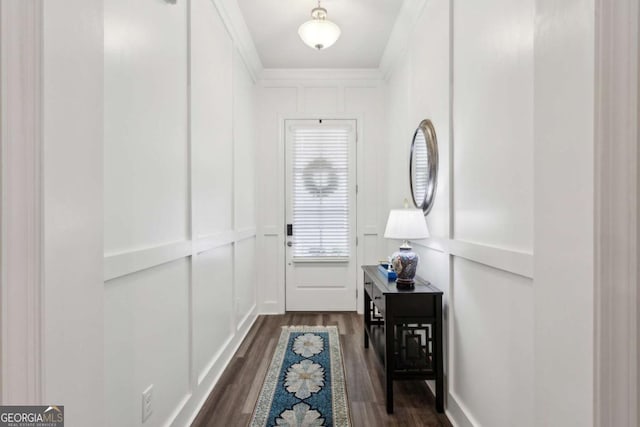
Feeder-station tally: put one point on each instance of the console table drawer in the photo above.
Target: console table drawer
(368, 287)
(416, 306)
(379, 299)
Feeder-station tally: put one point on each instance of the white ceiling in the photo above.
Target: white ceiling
(365, 24)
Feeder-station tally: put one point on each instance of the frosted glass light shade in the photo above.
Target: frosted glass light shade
(319, 33)
(406, 224)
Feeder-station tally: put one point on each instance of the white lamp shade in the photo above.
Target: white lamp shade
(406, 224)
(319, 33)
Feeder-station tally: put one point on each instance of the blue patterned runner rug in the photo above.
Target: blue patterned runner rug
(305, 385)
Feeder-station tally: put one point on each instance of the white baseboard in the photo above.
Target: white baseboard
(457, 412)
(453, 410)
(189, 411)
(270, 307)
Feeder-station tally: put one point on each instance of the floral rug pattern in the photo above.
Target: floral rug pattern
(304, 386)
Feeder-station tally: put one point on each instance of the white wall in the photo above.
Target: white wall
(72, 179)
(179, 223)
(469, 68)
(516, 178)
(564, 212)
(300, 94)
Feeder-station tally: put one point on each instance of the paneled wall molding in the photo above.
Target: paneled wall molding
(121, 264)
(236, 26)
(179, 262)
(369, 230)
(21, 127)
(616, 213)
(516, 262)
(435, 244)
(208, 242)
(399, 40)
(216, 358)
(271, 231)
(245, 233)
(187, 411)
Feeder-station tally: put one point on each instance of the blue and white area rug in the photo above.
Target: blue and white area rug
(305, 385)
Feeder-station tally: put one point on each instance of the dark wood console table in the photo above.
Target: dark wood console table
(405, 328)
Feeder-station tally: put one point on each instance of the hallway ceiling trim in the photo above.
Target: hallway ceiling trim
(372, 74)
(398, 37)
(366, 26)
(237, 27)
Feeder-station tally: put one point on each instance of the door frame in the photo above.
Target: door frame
(282, 258)
(616, 204)
(353, 162)
(21, 140)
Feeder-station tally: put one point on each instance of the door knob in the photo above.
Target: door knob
(289, 243)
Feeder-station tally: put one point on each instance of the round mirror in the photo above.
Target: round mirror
(423, 166)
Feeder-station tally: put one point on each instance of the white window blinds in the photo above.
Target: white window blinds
(320, 192)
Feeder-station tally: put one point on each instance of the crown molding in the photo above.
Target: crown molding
(233, 20)
(361, 74)
(400, 37)
(395, 49)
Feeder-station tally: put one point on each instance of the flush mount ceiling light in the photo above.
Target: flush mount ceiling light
(319, 33)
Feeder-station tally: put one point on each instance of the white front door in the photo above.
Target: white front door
(320, 215)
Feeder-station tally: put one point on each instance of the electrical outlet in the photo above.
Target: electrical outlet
(147, 400)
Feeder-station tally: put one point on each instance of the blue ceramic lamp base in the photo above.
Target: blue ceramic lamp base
(405, 263)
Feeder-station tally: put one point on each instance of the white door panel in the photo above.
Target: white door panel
(320, 213)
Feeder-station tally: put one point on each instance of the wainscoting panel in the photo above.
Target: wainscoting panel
(146, 332)
(272, 273)
(492, 347)
(371, 252)
(493, 123)
(320, 99)
(211, 121)
(145, 129)
(179, 205)
(244, 149)
(244, 278)
(212, 305)
(371, 174)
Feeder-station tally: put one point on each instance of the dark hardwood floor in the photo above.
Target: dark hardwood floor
(232, 401)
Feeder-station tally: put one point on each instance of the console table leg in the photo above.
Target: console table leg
(367, 315)
(389, 396)
(388, 361)
(439, 394)
(439, 357)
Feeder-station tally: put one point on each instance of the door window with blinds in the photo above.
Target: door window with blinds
(319, 194)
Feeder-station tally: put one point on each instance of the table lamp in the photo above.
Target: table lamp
(406, 224)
